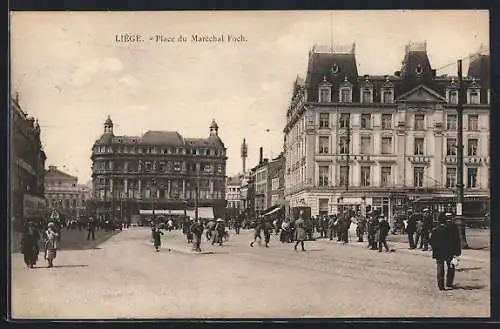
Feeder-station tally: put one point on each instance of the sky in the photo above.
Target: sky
(71, 73)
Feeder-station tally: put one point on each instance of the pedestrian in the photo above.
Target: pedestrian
(418, 233)
(300, 232)
(257, 230)
(51, 244)
(29, 245)
(91, 229)
(360, 228)
(157, 238)
(384, 229)
(332, 222)
(189, 234)
(267, 228)
(446, 244)
(411, 228)
(373, 228)
(197, 231)
(285, 231)
(237, 225)
(219, 232)
(426, 230)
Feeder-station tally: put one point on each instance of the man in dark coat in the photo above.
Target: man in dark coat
(91, 229)
(445, 242)
(383, 232)
(197, 231)
(331, 227)
(267, 228)
(373, 228)
(426, 230)
(29, 245)
(411, 228)
(157, 238)
(360, 228)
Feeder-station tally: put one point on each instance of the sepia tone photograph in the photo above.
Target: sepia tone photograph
(250, 164)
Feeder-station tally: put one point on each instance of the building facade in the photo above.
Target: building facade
(62, 192)
(159, 170)
(354, 140)
(276, 182)
(27, 165)
(233, 192)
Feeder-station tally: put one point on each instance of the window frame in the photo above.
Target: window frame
(361, 148)
(321, 146)
(382, 145)
(421, 170)
(415, 125)
(322, 121)
(384, 127)
(476, 151)
(365, 181)
(415, 146)
(448, 122)
(364, 121)
(388, 182)
(448, 182)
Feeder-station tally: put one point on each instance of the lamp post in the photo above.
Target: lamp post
(460, 158)
(153, 196)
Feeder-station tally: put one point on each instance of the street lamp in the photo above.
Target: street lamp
(460, 158)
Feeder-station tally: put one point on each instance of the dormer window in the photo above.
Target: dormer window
(366, 92)
(473, 93)
(453, 97)
(387, 92)
(367, 95)
(452, 93)
(325, 91)
(419, 70)
(345, 92)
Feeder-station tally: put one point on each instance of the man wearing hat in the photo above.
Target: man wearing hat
(426, 229)
(51, 239)
(445, 242)
(219, 232)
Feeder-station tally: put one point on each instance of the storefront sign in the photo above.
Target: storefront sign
(32, 205)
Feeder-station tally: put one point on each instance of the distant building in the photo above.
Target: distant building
(62, 192)
(233, 187)
(268, 181)
(354, 140)
(160, 170)
(27, 165)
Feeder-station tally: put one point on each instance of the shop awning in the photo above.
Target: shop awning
(161, 212)
(272, 211)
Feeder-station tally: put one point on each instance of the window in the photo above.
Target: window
(386, 176)
(419, 122)
(451, 122)
(343, 175)
(419, 146)
(345, 95)
(366, 119)
(451, 177)
(324, 120)
(345, 119)
(208, 168)
(367, 96)
(418, 176)
(453, 97)
(324, 95)
(365, 145)
(387, 121)
(386, 145)
(474, 97)
(365, 176)
(387, 96)
(451, 146)
(323, 144)
(473, 122)
(472, 147)
(471, 177)
(323, 175)
(177, 166)
(275, 184)
(323, 207)
(343, 147)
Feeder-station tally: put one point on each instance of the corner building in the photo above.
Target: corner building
(355, 140)
(160, 169)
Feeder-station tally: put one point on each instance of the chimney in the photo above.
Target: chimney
(261, 155)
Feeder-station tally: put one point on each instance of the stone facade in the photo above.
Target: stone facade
(353, 141)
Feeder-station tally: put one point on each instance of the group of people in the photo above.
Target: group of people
(32, 241)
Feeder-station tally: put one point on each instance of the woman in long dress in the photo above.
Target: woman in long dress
(51, 242)
(300, 233)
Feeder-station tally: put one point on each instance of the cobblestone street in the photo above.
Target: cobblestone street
(125, 278)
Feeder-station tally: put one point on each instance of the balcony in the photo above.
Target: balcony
(473, 160)
(419, 159)
(450, 159)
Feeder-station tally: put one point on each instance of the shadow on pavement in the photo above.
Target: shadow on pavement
(466, 269)
(61, 266)
(77, 240)
(469, 287)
